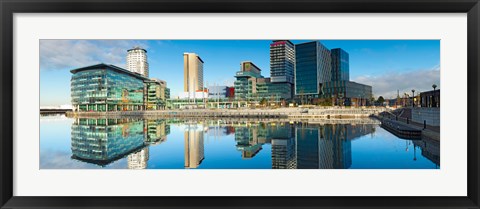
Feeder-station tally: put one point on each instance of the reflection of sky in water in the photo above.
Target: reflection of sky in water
(249, 147)
(384, 150)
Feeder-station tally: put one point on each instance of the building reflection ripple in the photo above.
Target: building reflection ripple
(102, 141)
(289, 145)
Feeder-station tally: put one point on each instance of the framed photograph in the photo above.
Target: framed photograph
(265, 104)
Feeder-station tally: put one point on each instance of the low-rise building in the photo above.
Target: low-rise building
(104, 87)
(245, 85)
(348, 93)
(430, 98)
(217, 92)
(156, 94)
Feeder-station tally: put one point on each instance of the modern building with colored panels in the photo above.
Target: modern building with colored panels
(252, 86)
(192, 73)
(263, 86)
(231, 92)
(348, 93)
(104, 87)
(245, 85)
(137, 61)
(156, 94)
(103, 141)
(340, 65)
(282, 67)
(312, 68)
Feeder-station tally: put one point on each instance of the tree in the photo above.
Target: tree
(380, 100)
(263, 101)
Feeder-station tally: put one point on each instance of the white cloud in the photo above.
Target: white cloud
(70, 54)
(387, 84)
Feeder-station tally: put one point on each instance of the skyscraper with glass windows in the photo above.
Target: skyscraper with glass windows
(312, 68)
(137, 61)
(282, 66)
(282, 61)
(340, 65)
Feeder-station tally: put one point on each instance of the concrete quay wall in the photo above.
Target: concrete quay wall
(291, 113)
(431, 115)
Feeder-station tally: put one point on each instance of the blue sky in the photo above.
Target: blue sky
(387, 65)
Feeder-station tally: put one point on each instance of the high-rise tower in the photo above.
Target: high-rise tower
(137, 61)
(312, 68)
(282, 61)
(340, 65)
(192, 73)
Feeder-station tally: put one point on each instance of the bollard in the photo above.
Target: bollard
(424, 124)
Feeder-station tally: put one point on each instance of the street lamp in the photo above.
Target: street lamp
(433, 96)
(413, 97)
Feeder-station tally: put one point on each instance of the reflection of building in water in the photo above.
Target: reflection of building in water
(335, 149)
(358, 130)
(429, 148)
(328, 146)
(102, 141)
(193, 146)
(307, 138)
(218, 131)
(283, 153)
(250, 138)
(138, 160)
(283, 146)
(156, 131)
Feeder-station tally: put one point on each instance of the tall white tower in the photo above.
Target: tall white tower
(137, 61)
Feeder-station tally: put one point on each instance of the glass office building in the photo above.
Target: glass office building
(348, 93)
(245, 85)
(312, 68)
(156, 94)
(340, 65)
(273, 91)
(105, 87)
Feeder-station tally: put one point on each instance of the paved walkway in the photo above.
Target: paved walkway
(431, 132)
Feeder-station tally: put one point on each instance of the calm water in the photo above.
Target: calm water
(68, 143)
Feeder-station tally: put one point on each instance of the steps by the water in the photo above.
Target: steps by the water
(400, 129)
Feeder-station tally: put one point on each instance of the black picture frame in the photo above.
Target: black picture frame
(10, 7)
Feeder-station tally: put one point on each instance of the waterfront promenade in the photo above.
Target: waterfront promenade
(405, 127)
(287, 113)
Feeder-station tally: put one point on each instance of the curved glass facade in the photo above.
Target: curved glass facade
(106, 88)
